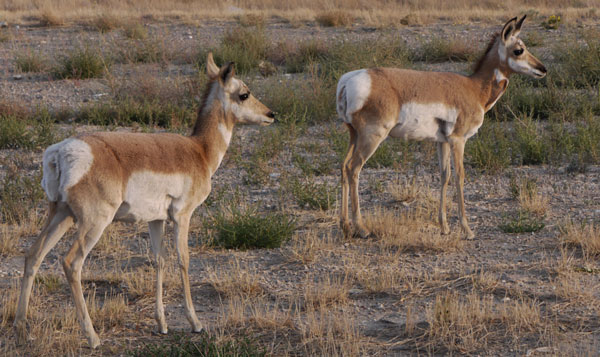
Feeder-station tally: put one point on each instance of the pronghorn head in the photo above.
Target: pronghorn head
(235, 95)
(513, 53)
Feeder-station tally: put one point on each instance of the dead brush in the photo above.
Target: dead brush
(409, 231)
(48, 17)
(255, 312)
(530, 199)
(322, 293)
(109, 314)
(328, 333)
(334, 18)
(472, 323)
(238, 280)
(585, 236)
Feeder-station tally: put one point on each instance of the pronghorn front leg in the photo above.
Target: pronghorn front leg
(458, 148)
(157, 230)
(444, 159)
(182, 224)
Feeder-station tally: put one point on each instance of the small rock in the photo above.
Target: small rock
(17, 77)
(3, 24)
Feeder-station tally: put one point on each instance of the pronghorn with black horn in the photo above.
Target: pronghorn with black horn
(95, 179)
(447, 108)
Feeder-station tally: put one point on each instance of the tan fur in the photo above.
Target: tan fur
(100, 195)
(469, 97)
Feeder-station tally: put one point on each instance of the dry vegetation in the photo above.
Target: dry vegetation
(527, 285)
(105, 15)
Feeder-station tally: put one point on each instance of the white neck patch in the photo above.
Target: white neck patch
(225, 133)
(499, 76)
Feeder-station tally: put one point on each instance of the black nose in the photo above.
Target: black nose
(542, 69)
(271, 114)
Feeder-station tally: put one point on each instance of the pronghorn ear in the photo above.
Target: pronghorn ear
(227, 72)
(508, 29)
(518, 26)
(211, 68)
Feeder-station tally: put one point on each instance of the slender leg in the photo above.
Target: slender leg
(182, 223)
(444, 159)
(365, 147)
(344, 222)
(88, 235)
(58, 222)
(157, 229)
(458, 147)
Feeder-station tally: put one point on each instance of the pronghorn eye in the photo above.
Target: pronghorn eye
(518, 52)
(244, 96)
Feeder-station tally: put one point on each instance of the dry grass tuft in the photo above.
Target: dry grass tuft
(584, 235)
(49, 17)
(252, 19)
(112, 313)
(322, 293)
(530, 198)
(8, 242)
(469, 324)
(409, 231)
(106, 22)
(236, 281)
(328, 333)
(334, 18)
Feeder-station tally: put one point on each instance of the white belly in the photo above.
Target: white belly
(431, 121)
(152, 196)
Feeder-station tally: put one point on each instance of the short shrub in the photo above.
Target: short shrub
(531, 149)
(579, 63)
(105, 23)
(14, 133)
(334, 18)
(440, 50)
(36, 131)
(490, 149)
(308, 193)
(135, 31)
(30, 61)
(524, 222)
(82, 63)
(246, 46)
(149, 50)
(244, 228)
(204, 345)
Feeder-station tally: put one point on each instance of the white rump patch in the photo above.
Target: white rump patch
(64, 164)
(353, 90)
(431, 121)
(151, 196)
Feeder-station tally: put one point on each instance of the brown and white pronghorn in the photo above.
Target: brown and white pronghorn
(99, 178)
(447, 108)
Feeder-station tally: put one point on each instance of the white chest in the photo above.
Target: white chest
(153, 196)
(431, 121)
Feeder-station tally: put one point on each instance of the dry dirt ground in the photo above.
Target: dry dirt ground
(320, 294)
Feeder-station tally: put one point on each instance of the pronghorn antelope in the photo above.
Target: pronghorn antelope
(447, 108)
(98, 178)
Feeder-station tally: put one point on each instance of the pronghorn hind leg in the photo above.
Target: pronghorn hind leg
(157, 230)
(182, 223)
(89, 232)
(444, 159)
(457, 145)
(344, 221)
(59, 220)
(365, 147)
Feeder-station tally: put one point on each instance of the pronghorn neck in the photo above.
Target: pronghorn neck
(491, 74)
(214, 127)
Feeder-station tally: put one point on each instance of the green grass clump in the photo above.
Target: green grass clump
(579, 61)
(384, 156)
(246, 46)
(524, 222)
(129, 111)
(19, 195)
(441, 50)
(244, 228)
(530, 146)
(82, 63)
(308, 193)
(203, 346)
(490, 149)
(30, 61)
(33, 131)
(135, 31)
(149, 50)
